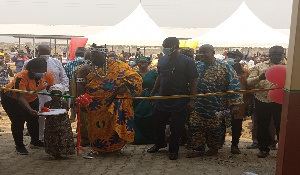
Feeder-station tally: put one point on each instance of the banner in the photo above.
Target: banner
(76, 42)
(188, 43)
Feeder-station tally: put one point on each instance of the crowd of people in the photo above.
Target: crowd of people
(113, 118)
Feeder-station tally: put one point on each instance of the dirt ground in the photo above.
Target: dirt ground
(134, 160)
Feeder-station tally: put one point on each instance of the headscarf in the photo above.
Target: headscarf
(146, 58)
(57, 87)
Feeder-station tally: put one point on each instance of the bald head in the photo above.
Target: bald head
(87, 55)
(207, 47)
(206, 54)
(44, 50)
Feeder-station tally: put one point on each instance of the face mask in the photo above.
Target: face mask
(132, 63)
(231, 61)
(40, 75)
(167, 51)
(80, 59)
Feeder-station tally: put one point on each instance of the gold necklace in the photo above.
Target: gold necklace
(104, 70)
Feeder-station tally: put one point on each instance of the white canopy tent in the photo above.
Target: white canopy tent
(137, 29)
(243, 29)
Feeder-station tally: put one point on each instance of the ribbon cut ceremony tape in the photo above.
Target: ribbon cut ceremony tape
(152, 97)
(85, 99)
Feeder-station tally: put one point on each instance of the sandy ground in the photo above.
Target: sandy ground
(134, 160)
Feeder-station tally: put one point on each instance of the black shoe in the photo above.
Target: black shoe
(235, 150)
(273, 146)
(21, 150)
(36, 145)
(262, 154)
(173, 156)
(155, 148)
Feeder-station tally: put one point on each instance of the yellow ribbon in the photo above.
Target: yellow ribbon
(152, 97)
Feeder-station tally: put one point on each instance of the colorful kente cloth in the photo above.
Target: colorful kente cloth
(204, 126)
(143, 111)
(111, 122)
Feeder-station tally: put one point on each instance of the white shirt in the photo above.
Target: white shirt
(56, 68)
(251, 64)
(64, 60)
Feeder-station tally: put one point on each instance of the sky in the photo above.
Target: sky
(166, 13)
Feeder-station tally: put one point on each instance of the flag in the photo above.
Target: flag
(76, 42)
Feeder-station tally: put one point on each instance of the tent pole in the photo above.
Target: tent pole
(144, 50)
(50, 46)
(19, 43)
(54, 46)
(112, 48)
(129, 50)
(33, 47)
(67, 47)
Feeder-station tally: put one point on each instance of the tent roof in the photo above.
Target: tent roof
(41, 31)
(137, 29)
(243, 29)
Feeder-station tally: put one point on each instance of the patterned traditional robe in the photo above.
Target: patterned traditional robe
(204, 126)
(110, 122)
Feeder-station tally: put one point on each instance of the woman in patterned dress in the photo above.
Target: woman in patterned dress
(110, 120)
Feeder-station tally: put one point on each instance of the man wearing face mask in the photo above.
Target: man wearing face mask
(70, 68)
(205, 128)
(177, 76)
(57, 70)
(79, 59)
(73, 92)
(264, 106)
(237, 119)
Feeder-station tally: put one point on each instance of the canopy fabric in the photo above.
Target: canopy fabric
(137, 29)
(243, 29)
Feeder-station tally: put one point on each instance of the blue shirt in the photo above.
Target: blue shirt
(70, 68)
(175, 74)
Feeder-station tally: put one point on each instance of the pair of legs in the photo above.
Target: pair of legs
(272, 129)
(18, 115)
(206, 130)
(177, 121)
(266, 111)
